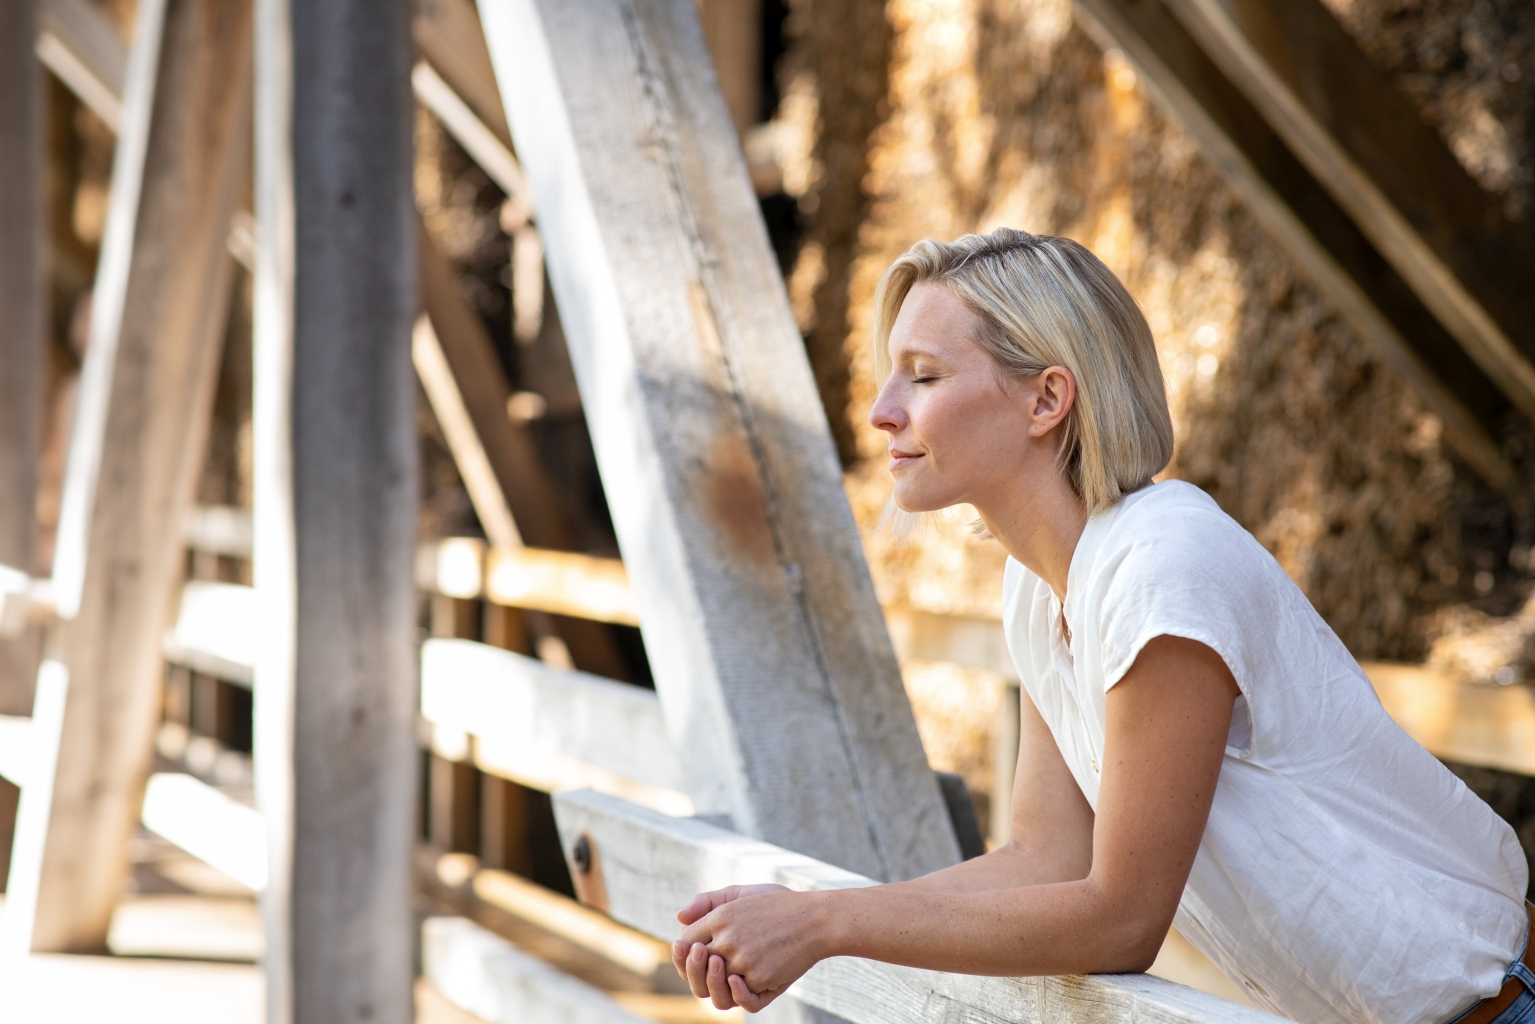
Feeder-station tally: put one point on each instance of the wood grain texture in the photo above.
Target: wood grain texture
(336, 507)
(1304, 219)
(1366, 143)
(145, 400)
(22, 330)
(652, 864)
(776, 675)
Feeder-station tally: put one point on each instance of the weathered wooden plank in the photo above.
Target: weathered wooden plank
(335, 506)
(1482, 724)
(760, 620)
(22, 332)
(650, 865)
(209, 825)
(220, 530)
(479, 141)
(449, 36)
(1307, 223)
(81, 47)
(561, 582)
(474, 373)
(146, 391)
(491, 978)
(215, 631)
(511, 702)
(1365, 142)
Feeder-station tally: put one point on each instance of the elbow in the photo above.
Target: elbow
(1135, 943)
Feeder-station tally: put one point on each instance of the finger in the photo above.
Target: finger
(698, 964)
(680, 957)
(719, 987)
(697, 907)
(751, 1002)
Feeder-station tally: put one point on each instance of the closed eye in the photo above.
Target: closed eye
(923, 380)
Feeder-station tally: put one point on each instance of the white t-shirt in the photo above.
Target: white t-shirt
(1345, 875)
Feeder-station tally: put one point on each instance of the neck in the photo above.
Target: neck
(1038, 519)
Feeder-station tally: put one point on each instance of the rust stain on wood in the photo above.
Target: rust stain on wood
(733, 501)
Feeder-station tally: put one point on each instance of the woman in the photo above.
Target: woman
(1198, 747)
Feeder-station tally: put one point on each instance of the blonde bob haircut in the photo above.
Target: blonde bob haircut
(1044, 301)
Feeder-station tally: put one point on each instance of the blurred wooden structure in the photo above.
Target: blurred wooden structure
(778, 721)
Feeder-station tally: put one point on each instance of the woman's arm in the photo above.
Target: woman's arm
(1166, 729)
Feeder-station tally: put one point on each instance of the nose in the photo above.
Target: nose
(886, 413)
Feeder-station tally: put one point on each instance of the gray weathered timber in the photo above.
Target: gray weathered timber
(1366, 143)
(21, 329)
(775, 672)
(145, 398)
(652, 864)
(1302, 217)
(335, 507)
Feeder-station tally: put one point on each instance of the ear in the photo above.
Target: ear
(1055, 392)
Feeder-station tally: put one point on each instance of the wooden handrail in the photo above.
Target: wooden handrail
(648, 865)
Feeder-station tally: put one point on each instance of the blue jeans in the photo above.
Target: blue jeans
(1522, 1009)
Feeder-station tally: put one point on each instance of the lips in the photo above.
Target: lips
(899, 458)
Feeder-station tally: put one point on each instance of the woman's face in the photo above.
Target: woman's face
(957, 427)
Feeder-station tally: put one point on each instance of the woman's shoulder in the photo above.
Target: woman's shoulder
(1174, 517)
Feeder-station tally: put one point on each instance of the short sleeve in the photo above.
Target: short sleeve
(1196, 575)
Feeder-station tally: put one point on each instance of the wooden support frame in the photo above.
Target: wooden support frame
(161, 298)
(79, 45)
(1302, 217)
(22, 334)
(760, 620)
(335, 507)
(648, 865)
(1363, 140)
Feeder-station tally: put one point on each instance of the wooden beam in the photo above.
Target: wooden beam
(470, 367)
(733, 32)
(335, 507)
(561, 582)
(760, 620)
(208, 824)
(497, 982)
(1473, 723)
(161, 299)
(651, 864)
(23, 332)
(482, 144)
(82, 48)
(449, 36)
(215, 631)
(520, 711)
(1303, 218)
(1363, 139)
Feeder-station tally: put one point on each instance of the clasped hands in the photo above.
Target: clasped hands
(744, 944)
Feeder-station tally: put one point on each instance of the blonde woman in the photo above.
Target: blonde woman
(1198, 747)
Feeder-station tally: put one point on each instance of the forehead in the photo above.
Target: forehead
(932, 321)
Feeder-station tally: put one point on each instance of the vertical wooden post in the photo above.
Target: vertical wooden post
(771, 658)
(21, 327)
(21, 347)
(161, 301)
(335, 507)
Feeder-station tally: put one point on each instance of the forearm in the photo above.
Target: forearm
(1011, 866)
(1069, 927)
